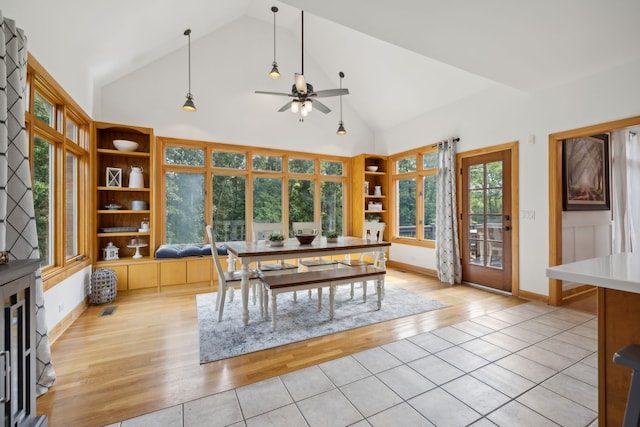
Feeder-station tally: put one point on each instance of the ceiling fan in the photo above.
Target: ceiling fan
(305, 98)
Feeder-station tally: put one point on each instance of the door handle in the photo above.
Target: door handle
(506, 228)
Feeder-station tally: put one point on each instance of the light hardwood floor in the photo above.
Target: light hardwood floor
(145, 356)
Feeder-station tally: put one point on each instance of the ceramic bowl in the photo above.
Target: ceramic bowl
(372, 168)
(305, 239)
(125, 145)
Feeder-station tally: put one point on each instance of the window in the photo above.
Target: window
(43, 197)
(71, 206)
(58, 133)
(184, 209)
(247, 185)
(414, 195)
(267, 199)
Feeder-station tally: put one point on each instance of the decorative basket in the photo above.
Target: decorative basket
(103, 286)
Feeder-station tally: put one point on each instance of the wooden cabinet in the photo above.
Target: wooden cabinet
(366, 201)
(18, 344)
(119, 209)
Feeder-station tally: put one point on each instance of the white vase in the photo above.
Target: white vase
(377, 190)
(135, 177)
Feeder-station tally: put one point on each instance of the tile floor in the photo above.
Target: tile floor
(529, 365)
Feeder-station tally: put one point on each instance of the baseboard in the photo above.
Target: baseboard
(57, 331)
(577, 291)
(532, 296)
(412, 268)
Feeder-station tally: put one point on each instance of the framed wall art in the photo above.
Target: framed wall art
(585, 173)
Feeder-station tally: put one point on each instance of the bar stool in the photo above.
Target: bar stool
(630, 357)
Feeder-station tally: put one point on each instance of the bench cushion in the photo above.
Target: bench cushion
(182, 251)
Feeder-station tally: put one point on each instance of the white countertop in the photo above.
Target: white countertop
(618, 271)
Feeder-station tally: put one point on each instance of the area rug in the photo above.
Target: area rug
(297, 320)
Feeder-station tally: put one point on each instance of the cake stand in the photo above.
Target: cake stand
(138, 255)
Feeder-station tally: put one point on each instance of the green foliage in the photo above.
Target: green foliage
(331, 168)
(223, 159)
(301, 166)
(276, 237)
(43, 109)
(267, 199)
(267, 163)
(184, 207)
(332, 234)
(42, 195)
(301, 193)
(331, 206)
(184, 156)
(229, 205)
(407, 201)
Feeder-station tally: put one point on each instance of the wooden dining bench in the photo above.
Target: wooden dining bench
(318, 279)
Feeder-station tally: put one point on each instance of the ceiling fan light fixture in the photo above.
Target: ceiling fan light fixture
(295, 106)
(307, 106)
(189, 105)
(274, 74)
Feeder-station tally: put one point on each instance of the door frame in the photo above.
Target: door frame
(555, 191)
(515, 205)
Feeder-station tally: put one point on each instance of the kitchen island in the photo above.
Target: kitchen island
(618, 280)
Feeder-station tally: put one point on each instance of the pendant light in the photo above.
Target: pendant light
(341, 130)
(274, 74)
(189, 105)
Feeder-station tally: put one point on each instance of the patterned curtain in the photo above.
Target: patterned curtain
(17, 218)
(447, 247)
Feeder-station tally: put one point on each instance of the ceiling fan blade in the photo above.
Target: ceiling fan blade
(331, 92)
(321, 107)
(285, 107)
(301, 84)
(272, 93)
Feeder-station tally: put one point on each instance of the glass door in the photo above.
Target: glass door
(486, 220)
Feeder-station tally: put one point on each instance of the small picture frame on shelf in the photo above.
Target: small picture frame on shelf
(114, 177)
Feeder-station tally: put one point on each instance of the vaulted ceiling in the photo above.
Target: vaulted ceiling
(401, 59)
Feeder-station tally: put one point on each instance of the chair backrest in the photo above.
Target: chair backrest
(373, 230)
(307, 227)
(262, 230)
(214, 254)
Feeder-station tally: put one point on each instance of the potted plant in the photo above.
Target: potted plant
(332, 236)
(372, 217)
(276, 239)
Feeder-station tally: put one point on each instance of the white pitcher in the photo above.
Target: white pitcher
(135, 177)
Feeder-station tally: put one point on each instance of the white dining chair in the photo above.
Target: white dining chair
(315, 263)
(261, 231)
(230, 279)
(371, 231)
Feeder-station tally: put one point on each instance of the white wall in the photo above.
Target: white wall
(586, 235)
(61, 299)
(504, 115)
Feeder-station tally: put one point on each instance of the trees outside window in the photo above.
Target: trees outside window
(246, 185)
(414, 195)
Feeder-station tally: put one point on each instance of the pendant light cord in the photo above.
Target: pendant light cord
(188, 34)
(302, 48)
(274, 10)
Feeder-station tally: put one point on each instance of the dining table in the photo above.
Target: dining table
(247, 252)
